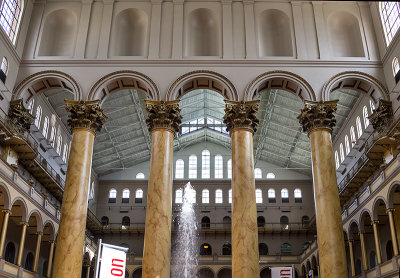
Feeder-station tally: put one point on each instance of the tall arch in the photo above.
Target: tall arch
(202, 79)
(358, 81)
(22, 208)
(364, 215)
(283, 80)
(124, 79)
(43, 81)
(379, 202)
(393, 189)
(5, 198)
(39, 222)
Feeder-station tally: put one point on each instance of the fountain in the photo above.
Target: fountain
(184, 255)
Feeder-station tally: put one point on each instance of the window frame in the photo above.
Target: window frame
(219, 196)
(16, 14)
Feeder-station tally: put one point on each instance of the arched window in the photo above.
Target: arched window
(125, 195)
(372, 106)
(30, 106)
(271, 195)
(205, 164)
(52, 135)
(230, 196)
(298, 197)
(38, 116)
(257, 173)
(65, 153)
(205, 196)
(179, 169)
(284, 222)
(352, 136)
(9, 254)
(259, 197)
(29, 261)
(285, 195)
(262, 249)
(139, 196)
(219, 170)
(105, 221)
(229, 168)
(227, 221)
(227, 249)
(10, 17)
(286, 249)
(59, 144)
(337, 160)
(139, 176)
(178, 196)
(205, 222)
(341, 152)
(270, 176)
(4, 65)
(192, 196)
(359, 127)
(45, 130)
(395, 66)
(347, 144)
(126, 222)
(192, 167)
(112, 195)
(390, 16)
(205, 249)
(365, 116)
(260, 221)
(218, 196)
(305, 220)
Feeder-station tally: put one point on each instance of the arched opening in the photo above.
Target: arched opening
(274, 32)
(373, 261)
(344, 35)
(260, 221)
(262, 249)
(367, 229)
(104, 221)
(203, 33)
(265, 273)
(380, 215)
(205, 222)
(225, 273)
(284, 220)
(14, 229)
(130, 33)
(34, 226)
(205, 249)
(126, 222)
(205, 273)
(227, 222)
(354, 235)
(305, 221)
(58, 34)
(47, 237)
(389, 250)
(314, 265)
(227, 249)
(286, 249)
(137, 273)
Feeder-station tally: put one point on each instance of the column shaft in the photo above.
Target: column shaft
(37, 251)
(353, 266)
(377, 242)
(70, 240)
(393, 233)
(245, 260)
(363, 252)
(327, 206)
(157, 239)
(21, 244)
(88, 271)
(4, 231)
(50, 264)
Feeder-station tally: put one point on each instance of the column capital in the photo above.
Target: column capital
(390, 210)
(6, 211)
(382, 116)
(318, 115)
(19, 116)
(39, 233)
(373, 222)
(23, 223)
(163, 114)
(241, 114)
(85, 114)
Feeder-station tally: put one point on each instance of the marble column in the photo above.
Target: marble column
(37, 251)
(4, 230)
(22, 243)
(241, 121)
(85, 119)
(88, 271)
(363, 252)
(377, 241)
(318, 121)
(163, 121)
(351, 253)
(50, 260)
(393, 232)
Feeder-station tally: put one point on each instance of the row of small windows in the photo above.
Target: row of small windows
(205, 167)
(343, 151)
(206, 249)
(112, 195)
(205, 196)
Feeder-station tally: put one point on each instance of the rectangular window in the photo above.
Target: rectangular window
(219, 171)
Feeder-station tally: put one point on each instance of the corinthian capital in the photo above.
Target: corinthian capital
(85, 114)
(382, 116)
(318, 114)
(241, 114)
(163, 114)
(19, 116)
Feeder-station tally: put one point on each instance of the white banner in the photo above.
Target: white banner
(281, 272)
(113, 262)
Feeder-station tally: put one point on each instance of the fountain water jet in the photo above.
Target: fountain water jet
(184, 256)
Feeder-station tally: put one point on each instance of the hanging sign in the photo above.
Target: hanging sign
(282, 272)
(113, 261)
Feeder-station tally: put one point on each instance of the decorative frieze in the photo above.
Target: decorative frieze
(318, 114)
(241, 114)
(382, 116)
(85, 114)
(163, 114)
(19, 116)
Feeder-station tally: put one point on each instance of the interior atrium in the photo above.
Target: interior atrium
(283, 115)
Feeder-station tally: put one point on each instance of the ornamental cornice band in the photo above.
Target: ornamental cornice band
(85, 114)
(318, 114)
(163, 114)
(382, 116)
(19, 116)
(241, 114)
